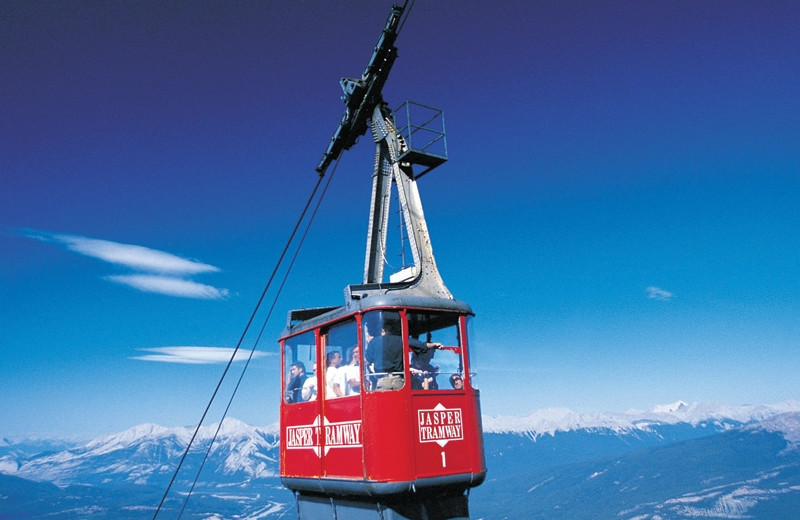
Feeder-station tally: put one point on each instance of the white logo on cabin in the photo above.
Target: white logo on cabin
(302, 437)
(440, 425)
(345, 434)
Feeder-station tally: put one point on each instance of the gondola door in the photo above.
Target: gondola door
(441, 405)
(300, 408)
(342, 433)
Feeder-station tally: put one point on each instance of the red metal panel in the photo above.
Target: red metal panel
(300, 436)
(342, 439)
(387, 436)
(444, 433)
(472, 418)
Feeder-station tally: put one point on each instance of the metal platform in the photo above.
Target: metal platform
(422, 131)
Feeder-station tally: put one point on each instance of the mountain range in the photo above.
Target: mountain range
(678, 461)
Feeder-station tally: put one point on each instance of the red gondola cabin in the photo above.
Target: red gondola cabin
(379, 398)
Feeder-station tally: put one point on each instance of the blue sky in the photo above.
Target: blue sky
(620, 207)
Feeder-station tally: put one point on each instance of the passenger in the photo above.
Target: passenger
(350, 374)
(456, 382)
(385, 354)
(333, 388)
(297, 372)
(423, 373)
(310, 386)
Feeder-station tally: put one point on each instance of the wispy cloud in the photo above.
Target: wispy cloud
(170, 286)
(135, 257)
(155, 271)
(195, 355)
(657, 293)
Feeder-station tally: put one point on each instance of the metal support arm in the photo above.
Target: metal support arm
(362, 95)
(424, 277)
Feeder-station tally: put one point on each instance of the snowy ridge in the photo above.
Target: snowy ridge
(548, 421)
(147, 450)
(231, 428)
(734, 460)
(787, 424)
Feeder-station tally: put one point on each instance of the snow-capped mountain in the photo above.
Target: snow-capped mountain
(751, 471)
(787, 425)
(675, 461)
(124, 475)
(148, 451)
(548, 421)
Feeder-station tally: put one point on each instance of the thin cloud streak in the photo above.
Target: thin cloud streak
(196, 355)
(156, 271)
(657, 293)
(170, 286)
(128, 255)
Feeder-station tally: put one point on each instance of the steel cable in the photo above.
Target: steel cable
(244, 334)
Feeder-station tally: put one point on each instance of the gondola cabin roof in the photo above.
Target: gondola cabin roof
(303, 319)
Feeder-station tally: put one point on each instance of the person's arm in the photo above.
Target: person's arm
(421, 347)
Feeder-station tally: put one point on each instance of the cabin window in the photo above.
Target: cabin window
(300, 365)
(342, 361)
(383, 351)
(473, 380)
(435, 360)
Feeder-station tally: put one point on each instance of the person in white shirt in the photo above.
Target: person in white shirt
(309, 391)
(333, 386)
(350, 374)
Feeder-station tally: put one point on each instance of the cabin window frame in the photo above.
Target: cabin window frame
(431, 369)
(302, 348)
(342, 338)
